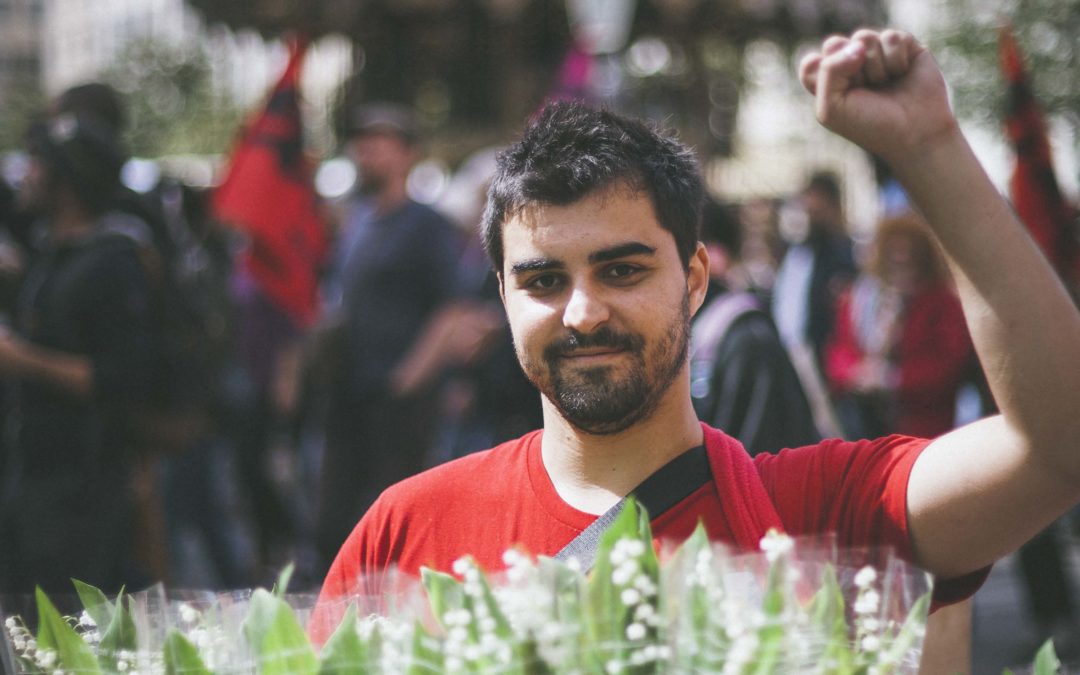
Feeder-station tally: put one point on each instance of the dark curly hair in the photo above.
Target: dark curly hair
(571, 150)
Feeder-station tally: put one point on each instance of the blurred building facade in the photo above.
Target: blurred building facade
(81, 40)
(475, 69)
(720, 72)
(20, 41)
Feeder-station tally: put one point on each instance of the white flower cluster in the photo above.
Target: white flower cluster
(393, 656)
(206, 635)
(776, 545)
(472, 631)
(706, 608)
(26, 646)
(638, 594)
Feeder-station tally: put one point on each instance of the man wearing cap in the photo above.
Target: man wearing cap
(79, 358)
(398, 265)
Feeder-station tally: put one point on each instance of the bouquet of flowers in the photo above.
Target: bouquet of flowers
(797, 606)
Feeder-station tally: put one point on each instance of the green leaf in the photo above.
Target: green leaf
(770, 649)
(606, 617)
(444, 592)
(568, 591)
(276, 637)
(1046, 660)
(345, 652)
(56, 634)
(94, 602)
(283, 580)
(827, 612)
(700, 646)
(118, 635)
(427, 655)
(288, 644)
(182, 657)
(914, 627)
(260, 617)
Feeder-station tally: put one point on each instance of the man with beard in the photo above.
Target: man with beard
(398, 265)
(592, 228)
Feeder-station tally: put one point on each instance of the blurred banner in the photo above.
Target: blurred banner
(1034, 189)
(268, 192)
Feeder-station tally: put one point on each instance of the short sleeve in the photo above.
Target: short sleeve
(857, 490)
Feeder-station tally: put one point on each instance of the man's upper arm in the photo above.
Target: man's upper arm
(975, 495)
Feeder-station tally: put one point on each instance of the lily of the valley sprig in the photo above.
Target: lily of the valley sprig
(703, 609)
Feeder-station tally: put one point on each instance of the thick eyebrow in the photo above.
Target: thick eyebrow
(604, 255)
(621, 251)
(536, 265)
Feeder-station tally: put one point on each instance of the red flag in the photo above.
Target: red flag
(1033, 186)
(268, 192)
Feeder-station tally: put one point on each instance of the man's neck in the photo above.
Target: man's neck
(593, 472)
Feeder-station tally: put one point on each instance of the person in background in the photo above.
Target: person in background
(80, 358)
(485, 398)
(741, 378)
(396, 266)
(901, 348)
(814, 271)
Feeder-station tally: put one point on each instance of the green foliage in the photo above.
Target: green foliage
(909, 633)
(626, 563)
(21, 102)
(625, 617)
(444, 593)
(966, 45)
(55, 634)
(1046, 660)
(427, 656)
(94, 602)
(345, 652)
(118, 635)
(827, 611)
(281, 647)
(182, 657)
(171, 104)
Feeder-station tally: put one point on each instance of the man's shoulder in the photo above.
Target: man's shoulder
(477, 476)
(835, 465)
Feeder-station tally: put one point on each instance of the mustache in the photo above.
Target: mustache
(602, 337)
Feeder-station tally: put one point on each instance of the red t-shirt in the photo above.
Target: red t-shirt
(485, 503)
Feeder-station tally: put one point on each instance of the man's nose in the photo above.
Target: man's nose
(585, 310)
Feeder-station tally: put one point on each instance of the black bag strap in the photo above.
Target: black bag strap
(669, 485)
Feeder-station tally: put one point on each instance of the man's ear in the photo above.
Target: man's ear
(697, 277)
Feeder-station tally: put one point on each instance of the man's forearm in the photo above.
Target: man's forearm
(1023, 323)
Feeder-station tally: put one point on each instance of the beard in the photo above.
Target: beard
(601, 400)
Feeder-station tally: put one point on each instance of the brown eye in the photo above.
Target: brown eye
(621, 271)
(543, 282)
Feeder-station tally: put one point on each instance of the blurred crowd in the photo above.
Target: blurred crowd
(164, 419)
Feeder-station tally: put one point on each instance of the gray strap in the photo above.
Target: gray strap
(584, 546)
(669, 485)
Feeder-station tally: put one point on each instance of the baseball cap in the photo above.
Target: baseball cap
(375, 118)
